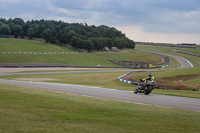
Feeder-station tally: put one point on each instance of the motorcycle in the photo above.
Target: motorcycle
(145, 88)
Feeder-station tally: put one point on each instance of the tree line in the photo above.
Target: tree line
(78, 35)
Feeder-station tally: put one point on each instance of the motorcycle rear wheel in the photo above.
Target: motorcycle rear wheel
(148, 91)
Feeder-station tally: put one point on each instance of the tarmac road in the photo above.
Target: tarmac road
(184, 62)
(120, 95)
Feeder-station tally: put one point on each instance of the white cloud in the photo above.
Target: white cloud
(67, 12)
(141, 20)
(9, 1)
(93, 4)
(136, 33)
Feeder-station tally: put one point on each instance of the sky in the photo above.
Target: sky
(159, 21)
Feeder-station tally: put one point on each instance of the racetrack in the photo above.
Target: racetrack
(128, 96)
(184, 62)
(120, 95)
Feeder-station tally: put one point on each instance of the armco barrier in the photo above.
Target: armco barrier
(126, 81)
(164, 66)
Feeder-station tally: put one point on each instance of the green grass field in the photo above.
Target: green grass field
(133, 55)
(75, 59)
(79, 59)
(178, 73)
(22, 45)
(30, 110)
(190, 50)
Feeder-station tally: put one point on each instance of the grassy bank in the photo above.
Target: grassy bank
(131, 55)
(29, 110)
(190, 50)
(79, 59)
(22, 45)
(71, 59)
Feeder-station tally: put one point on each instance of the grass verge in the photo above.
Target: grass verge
(30, 110)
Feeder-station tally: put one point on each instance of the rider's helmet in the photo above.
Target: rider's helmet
(150, 75)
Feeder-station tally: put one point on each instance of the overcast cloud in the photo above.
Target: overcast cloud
(173, 21)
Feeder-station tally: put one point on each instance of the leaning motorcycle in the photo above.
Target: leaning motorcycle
(145, 88)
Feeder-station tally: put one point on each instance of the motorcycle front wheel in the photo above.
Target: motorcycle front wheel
(136, 91)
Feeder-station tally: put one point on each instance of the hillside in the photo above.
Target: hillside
(22, 45)
(30, 51)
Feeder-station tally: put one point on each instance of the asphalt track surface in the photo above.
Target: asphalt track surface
(120, 95)
(184, 62)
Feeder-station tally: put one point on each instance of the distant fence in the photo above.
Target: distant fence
(165, 45)
(4, 36)
(179, 51)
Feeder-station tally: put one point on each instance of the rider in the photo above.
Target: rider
(150, 78)
(146, 80)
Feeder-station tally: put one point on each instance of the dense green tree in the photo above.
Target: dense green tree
(63, 38)
(11, 25)
(30, 33)
(94, 41)
(5, 29)
(47, 35)
(109, 42)
(131, 44)
(73, 41)
(118, 42)
(80, 44)
(88, 45)
(18, 21)
(17, 31)
(99, 45)
(70, 34)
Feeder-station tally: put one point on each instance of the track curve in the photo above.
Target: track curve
(184, 62)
